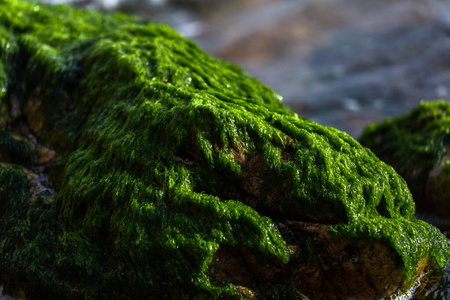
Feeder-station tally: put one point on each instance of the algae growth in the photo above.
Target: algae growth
(158, 144)
(419, 138)
(414, 143)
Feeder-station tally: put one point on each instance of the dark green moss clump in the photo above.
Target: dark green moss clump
(413, 144)
(13, 149)
(160, 145)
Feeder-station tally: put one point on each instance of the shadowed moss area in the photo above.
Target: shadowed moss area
(13, 149)
(154, 134)
(414, 143)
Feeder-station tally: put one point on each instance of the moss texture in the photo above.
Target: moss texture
(414, 143)
(150, 129)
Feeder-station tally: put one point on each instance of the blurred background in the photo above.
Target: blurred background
(341, 63)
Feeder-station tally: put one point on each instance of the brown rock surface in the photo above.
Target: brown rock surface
(342, 268)
(437, 187)
(345, 268)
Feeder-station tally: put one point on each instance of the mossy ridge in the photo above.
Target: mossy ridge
(132, 114)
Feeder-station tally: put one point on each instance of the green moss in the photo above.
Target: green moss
(150, 129)
(13, 149)
(420, 137)
(37, 254)
(447, 167)
(414, 143)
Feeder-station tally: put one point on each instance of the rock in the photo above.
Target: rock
(139, 167)
(347, 266)
(417, 145)
(437, 188)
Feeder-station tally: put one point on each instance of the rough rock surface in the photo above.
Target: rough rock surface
(417, 145)
(135, 165)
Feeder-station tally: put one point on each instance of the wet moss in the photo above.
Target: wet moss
(148, 127)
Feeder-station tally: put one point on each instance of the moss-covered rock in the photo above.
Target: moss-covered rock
(168, 160)
(417, 145)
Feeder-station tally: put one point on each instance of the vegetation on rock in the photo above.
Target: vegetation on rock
(415, 145)
(166, 156)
